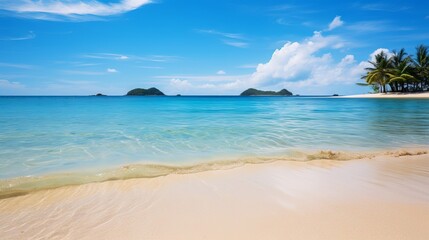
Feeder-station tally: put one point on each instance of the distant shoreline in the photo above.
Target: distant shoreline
(367, 95)
(389, 95)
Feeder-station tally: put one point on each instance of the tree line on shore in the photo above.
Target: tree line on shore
(399, 72)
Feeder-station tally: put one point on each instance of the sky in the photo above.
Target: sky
(194, 47)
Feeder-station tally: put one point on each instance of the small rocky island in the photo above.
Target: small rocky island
(145, 92)
(256, 92)
(99, 95)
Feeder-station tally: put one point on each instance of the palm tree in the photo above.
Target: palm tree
(401, 71)
(380, 72)
(421, 65)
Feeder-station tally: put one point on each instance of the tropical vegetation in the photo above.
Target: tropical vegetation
(256, 92)
(145, 92)
(399, 71)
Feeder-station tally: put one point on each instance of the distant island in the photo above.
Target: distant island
(145, 92)
(99, 95)
(256, 92)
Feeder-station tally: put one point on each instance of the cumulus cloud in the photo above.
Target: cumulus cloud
(74, 9)
(378, 51)
(315, 65)
(221, 72)
(337, 22)
(308, 63)
(111, 70)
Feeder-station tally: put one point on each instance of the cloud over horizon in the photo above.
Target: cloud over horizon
(296, 66)
(307, 63)
(8, 85)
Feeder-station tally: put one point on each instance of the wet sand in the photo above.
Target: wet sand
(386, 197)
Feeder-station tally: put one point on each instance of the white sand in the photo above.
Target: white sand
(389, 95)
(382, 198)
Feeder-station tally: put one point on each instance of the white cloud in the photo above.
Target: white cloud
(316, 65)
(157, 58)
(385, 50)
(111, 70)
(337, 22)
(107, 56)
(29, 36)
(150, 67)
(122, 57)
(223, 34)
(381, 7)
(301, 64)
(248, 66)
(205, 84)
(186, 86)
(180, 84)
(204, 78)
(231, 39)
(221, 72)
(12, 65)
(89, 73)
(377, 26)
(236, 44)
(74, 9)
(306, 67)
(5, 84)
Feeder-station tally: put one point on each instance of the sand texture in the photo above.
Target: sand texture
(386, 197)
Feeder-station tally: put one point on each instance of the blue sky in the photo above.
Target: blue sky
(82, 47)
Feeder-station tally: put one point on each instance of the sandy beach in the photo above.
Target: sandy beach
(389, 95)
(386, 197)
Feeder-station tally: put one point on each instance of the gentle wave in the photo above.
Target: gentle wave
(23, 185)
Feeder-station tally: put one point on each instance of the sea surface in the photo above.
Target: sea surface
(49, 135)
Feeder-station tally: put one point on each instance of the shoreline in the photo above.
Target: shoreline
(18, 186)
(421, 95)
(372, 197)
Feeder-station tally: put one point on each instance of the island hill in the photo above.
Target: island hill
(145, 92)
(249, 92)
(256, 92)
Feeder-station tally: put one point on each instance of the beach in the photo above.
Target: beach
(213, 168)
(381, 197)
(389, 95)
(214, 120)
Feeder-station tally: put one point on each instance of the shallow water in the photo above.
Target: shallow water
(46, 135)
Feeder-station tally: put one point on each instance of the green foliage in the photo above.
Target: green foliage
(145, 92)
(256, 92)
(399, 72)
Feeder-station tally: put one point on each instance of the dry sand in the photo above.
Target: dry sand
(389, 95)
(382, 198)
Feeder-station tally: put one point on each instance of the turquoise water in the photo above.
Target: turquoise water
(43, 135)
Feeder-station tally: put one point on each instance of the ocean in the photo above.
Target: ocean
(44, 136)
